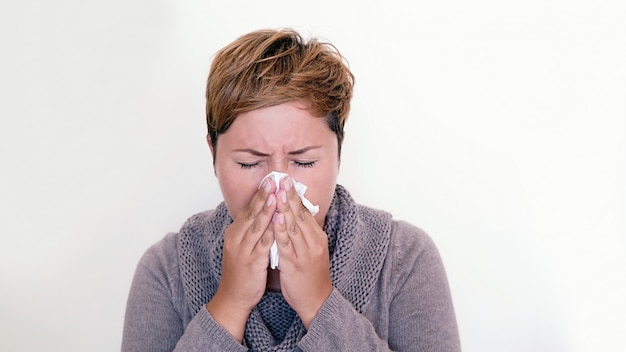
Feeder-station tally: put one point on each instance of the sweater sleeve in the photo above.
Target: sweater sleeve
(413, 311)
(339, 327)
(155, 311)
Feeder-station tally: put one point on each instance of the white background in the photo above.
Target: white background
(497, 126)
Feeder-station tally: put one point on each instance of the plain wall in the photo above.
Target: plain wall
(499, 127)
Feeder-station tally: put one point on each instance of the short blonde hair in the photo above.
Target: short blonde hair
(271, 67)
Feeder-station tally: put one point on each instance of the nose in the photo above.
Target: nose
(280, 166)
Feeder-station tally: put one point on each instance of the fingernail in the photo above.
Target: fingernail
(288, 184)
(266, 185)
(283, 196)
(270, 200)
(281, 219)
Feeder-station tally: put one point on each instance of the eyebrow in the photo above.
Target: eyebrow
(251, 151)
(294, 152)
(304, 150)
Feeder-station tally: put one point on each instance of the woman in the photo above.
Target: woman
(350, 278)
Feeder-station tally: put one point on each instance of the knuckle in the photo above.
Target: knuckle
(319, 248)
(293, 229)
(302, 212)
(283, 243)
(249, 213)
(321, 251)
(228, 245)
(254, 228)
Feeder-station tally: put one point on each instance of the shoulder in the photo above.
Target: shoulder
(409, 248)
(162, 256)
(412, 251)
(374, 218)
(406, 237)
(198, 222)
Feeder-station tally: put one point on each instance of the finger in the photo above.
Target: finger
(291, 225)
(283, 240)
(257, 233)
(301, 215)
(247, 217)
(295, 202)
(265, 241)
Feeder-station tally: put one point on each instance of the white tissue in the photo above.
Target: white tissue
(300, 189)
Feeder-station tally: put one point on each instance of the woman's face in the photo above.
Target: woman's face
(284, 138)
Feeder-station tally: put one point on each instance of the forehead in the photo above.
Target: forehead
(286, 124)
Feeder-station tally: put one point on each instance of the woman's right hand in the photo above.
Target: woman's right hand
(245, 262)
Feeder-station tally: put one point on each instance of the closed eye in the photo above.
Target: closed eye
(304, 164)
(248, 165)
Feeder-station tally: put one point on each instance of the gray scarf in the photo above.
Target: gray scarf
(357, 240)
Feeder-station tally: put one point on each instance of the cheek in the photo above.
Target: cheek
(237, 190)
(320, 191)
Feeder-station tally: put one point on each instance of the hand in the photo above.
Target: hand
(245, 261)
(304, 260)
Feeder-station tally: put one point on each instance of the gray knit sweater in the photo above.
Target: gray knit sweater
(390, 291)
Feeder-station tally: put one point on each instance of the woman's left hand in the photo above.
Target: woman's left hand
(304, 260)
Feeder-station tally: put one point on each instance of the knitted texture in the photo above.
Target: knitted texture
(277, 314)
(358, 238)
